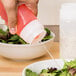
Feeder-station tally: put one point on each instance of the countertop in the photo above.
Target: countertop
(14, 68)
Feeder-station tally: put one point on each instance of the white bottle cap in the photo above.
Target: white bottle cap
(33, 32)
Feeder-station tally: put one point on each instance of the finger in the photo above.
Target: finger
(33, 7)
(11, 10)
(31, 4)
(29, 1)
(37, 1)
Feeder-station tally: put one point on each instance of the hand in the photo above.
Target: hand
(11, 10)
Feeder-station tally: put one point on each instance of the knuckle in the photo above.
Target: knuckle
(32, 1)
(37, 1)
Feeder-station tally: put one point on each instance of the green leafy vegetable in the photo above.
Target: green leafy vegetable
(47, 36)
(44, 71)
(3, 33)
(22, 41)
(48, 31)
(69, 69)
(30, 73)
(72, 63)
(14, 37)
(6, 37)
(3, 41)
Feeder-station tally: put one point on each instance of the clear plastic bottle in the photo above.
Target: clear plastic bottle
(68, 31)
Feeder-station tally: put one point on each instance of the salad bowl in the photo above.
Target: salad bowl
(24, 51)
(57, 67)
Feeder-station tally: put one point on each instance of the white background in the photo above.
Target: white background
(48, 13)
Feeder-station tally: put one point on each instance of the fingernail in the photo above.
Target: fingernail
(13, 30)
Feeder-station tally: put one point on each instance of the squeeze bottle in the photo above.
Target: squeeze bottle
(28, 26)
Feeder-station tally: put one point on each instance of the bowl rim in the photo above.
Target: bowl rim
(30, 44)
(23, 71)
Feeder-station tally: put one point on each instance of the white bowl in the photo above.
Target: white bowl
(27, 51)
(38, 66)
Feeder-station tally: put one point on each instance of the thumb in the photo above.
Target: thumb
(11, 10)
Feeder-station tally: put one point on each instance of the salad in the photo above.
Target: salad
(6, 37)
(69, 69)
